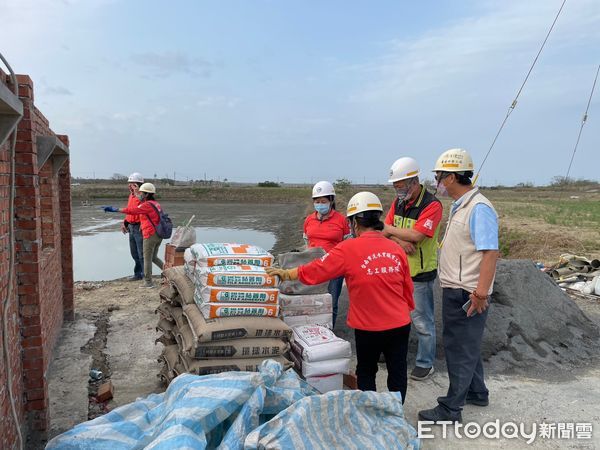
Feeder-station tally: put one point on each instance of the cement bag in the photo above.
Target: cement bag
(169, 356)
(319, 368)
(325, 320)
(214, 411)
(165, 340)
(295, 259)
(212, 366)
(336, 420)
(213, 294)
(180, 281)
(167, 293)
(185, 339)
(223, 254)
(209, 330)
(234, 276)
(305, 305)
(216, 310)
(166, 328)
(240, 348)
(316, 343)
(327, 383)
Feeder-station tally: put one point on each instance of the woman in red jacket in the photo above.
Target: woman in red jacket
(326, 228)
(149, 218)
(380, 290)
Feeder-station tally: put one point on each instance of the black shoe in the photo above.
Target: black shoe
(134, 278)
(478, 400)
(439, 414)
(421, 373)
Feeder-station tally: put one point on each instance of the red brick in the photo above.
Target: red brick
(32, 353)
(29, 342)
(36, 405)
(34, 383)
(34, 330)
(34, 394)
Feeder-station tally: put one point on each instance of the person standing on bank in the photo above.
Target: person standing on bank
(131, 225)
(379, 288)
(326, 228)
(413, 222)
(148, 211)
(469, 251)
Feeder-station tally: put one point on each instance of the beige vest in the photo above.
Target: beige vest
(459, 260)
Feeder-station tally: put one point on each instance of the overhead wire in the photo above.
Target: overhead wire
(583, 122)
(513, 105)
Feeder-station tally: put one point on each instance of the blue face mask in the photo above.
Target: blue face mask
(322, 208)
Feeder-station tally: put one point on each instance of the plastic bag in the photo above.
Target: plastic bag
(185, 235)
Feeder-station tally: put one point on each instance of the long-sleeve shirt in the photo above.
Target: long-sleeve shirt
(378, 279)
(133, 202)
(148, 216)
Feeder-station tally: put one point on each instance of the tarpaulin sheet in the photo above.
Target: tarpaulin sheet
(339, 419)
(196, 412)
(236, 410)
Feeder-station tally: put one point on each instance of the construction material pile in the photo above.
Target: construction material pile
(320, 356)
(533, 326)
(578, 273)
(302, 304)
(219, 312)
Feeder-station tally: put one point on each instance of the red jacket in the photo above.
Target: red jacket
(378, 279)
(146, 214)
(133, 202)
(326, 233)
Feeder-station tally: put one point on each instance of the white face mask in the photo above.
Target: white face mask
(441, 190)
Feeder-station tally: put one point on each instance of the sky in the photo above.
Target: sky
(302, 91)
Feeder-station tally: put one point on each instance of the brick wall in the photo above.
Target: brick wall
(44, 268)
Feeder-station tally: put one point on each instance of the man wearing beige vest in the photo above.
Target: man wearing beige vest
(467, 268)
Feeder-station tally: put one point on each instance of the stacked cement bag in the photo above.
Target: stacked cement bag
(301, 304)
(230, 280)
(205, 345)
(320, 356)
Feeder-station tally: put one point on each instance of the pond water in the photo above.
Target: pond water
(101, 252)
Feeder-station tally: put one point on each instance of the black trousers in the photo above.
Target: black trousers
(394, 346)
(462, 346)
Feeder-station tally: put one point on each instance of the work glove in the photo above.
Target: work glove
(108, 209)
(283, 274)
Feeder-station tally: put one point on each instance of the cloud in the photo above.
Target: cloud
(165, 64)
(503, 39)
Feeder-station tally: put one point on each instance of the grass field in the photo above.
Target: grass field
(535, 223)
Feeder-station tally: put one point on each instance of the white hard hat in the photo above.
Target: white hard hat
(148, 188)
(361, 202)
(135, 177)
(454, 160)
(403, 169)
(323, 189)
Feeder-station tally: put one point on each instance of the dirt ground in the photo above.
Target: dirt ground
(114, 332)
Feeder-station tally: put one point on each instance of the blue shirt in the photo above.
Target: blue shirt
(483, 225)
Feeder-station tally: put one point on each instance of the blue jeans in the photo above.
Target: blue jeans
(423, 321)
(136, 247)
(335, 289)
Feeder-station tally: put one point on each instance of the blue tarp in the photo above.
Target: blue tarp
(221, 411)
